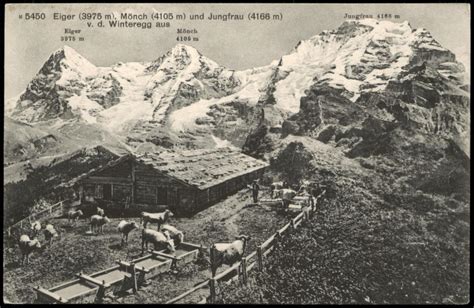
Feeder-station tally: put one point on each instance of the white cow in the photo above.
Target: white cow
(228, 253)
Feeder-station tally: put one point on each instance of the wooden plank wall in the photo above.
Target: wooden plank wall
(154, 188)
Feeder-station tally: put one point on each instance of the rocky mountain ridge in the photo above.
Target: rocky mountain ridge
(326, 87)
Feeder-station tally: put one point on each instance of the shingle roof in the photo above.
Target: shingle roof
(203, 168)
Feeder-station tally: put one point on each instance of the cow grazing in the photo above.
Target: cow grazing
(125, 228)
(158, 218)
(100, 211)
(27, 246)
(173, 234)
(305, 187)
(287, 195)
(50, 233)
(275, 186)
(158, 239)
(73, 215)
(228, 253)
(98, 222)
(36, 228)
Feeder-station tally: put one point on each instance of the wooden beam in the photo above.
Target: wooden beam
(227, 271)
(244, 270)
(132, 201)
(93, 280)
(128, 264)
(212, 290)
(107, 180)
(134, 277)
(162, 254)
(260, 258)
(51, 295)
(194, 289)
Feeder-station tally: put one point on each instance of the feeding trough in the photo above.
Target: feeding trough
(184, 254)
(112, 280)
(271, 202)
(122, 277)
(294, 207)
(301, 200)
(71, 292)
(150, 266)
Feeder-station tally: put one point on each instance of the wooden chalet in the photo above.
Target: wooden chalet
(185, 182)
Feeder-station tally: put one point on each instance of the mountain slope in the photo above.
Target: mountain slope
(185, 99)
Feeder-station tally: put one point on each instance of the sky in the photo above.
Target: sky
(235, 44)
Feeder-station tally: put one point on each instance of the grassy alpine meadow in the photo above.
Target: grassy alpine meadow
(75, 251)
(382, 235)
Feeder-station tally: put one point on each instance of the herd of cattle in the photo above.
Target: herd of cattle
(165, 237)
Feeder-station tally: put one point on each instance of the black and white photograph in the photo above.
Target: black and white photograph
(237, 153)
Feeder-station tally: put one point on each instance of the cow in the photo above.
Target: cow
(173, 234)
(228, 253)
(98, 222)
(27, 246)
(74, 215)
(125, 228)
(159, 218)
(158, 239)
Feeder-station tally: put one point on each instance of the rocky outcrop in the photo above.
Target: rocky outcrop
(326, 88)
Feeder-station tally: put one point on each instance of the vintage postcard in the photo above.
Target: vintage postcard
(237, 153)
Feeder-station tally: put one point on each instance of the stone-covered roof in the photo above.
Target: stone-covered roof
(202, 168)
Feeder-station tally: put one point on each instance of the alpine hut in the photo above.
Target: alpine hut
(185, 182)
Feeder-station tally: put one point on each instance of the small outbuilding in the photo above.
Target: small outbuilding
(185, 182)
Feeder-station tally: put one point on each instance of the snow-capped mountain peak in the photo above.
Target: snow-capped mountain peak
(183, 91)
(360, 56)
(67, 58)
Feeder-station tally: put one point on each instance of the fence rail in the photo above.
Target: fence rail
(244, 266)
(48, 212)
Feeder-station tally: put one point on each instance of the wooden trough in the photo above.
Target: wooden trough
(184, 254)
(151, 266)
(71, 292)
(122, 277)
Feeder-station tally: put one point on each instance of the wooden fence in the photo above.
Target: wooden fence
(254, 260)
(55, 209)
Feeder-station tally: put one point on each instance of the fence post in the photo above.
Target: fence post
(292, 223)
(212, 290)
(260, 258)
(212, 258)
(134, 277)
(243, 268)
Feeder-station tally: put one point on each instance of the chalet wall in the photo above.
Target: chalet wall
(121, 192)
(121, 170)
(154, 190)
(201, 199)
(186, 201)
(145, 194)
